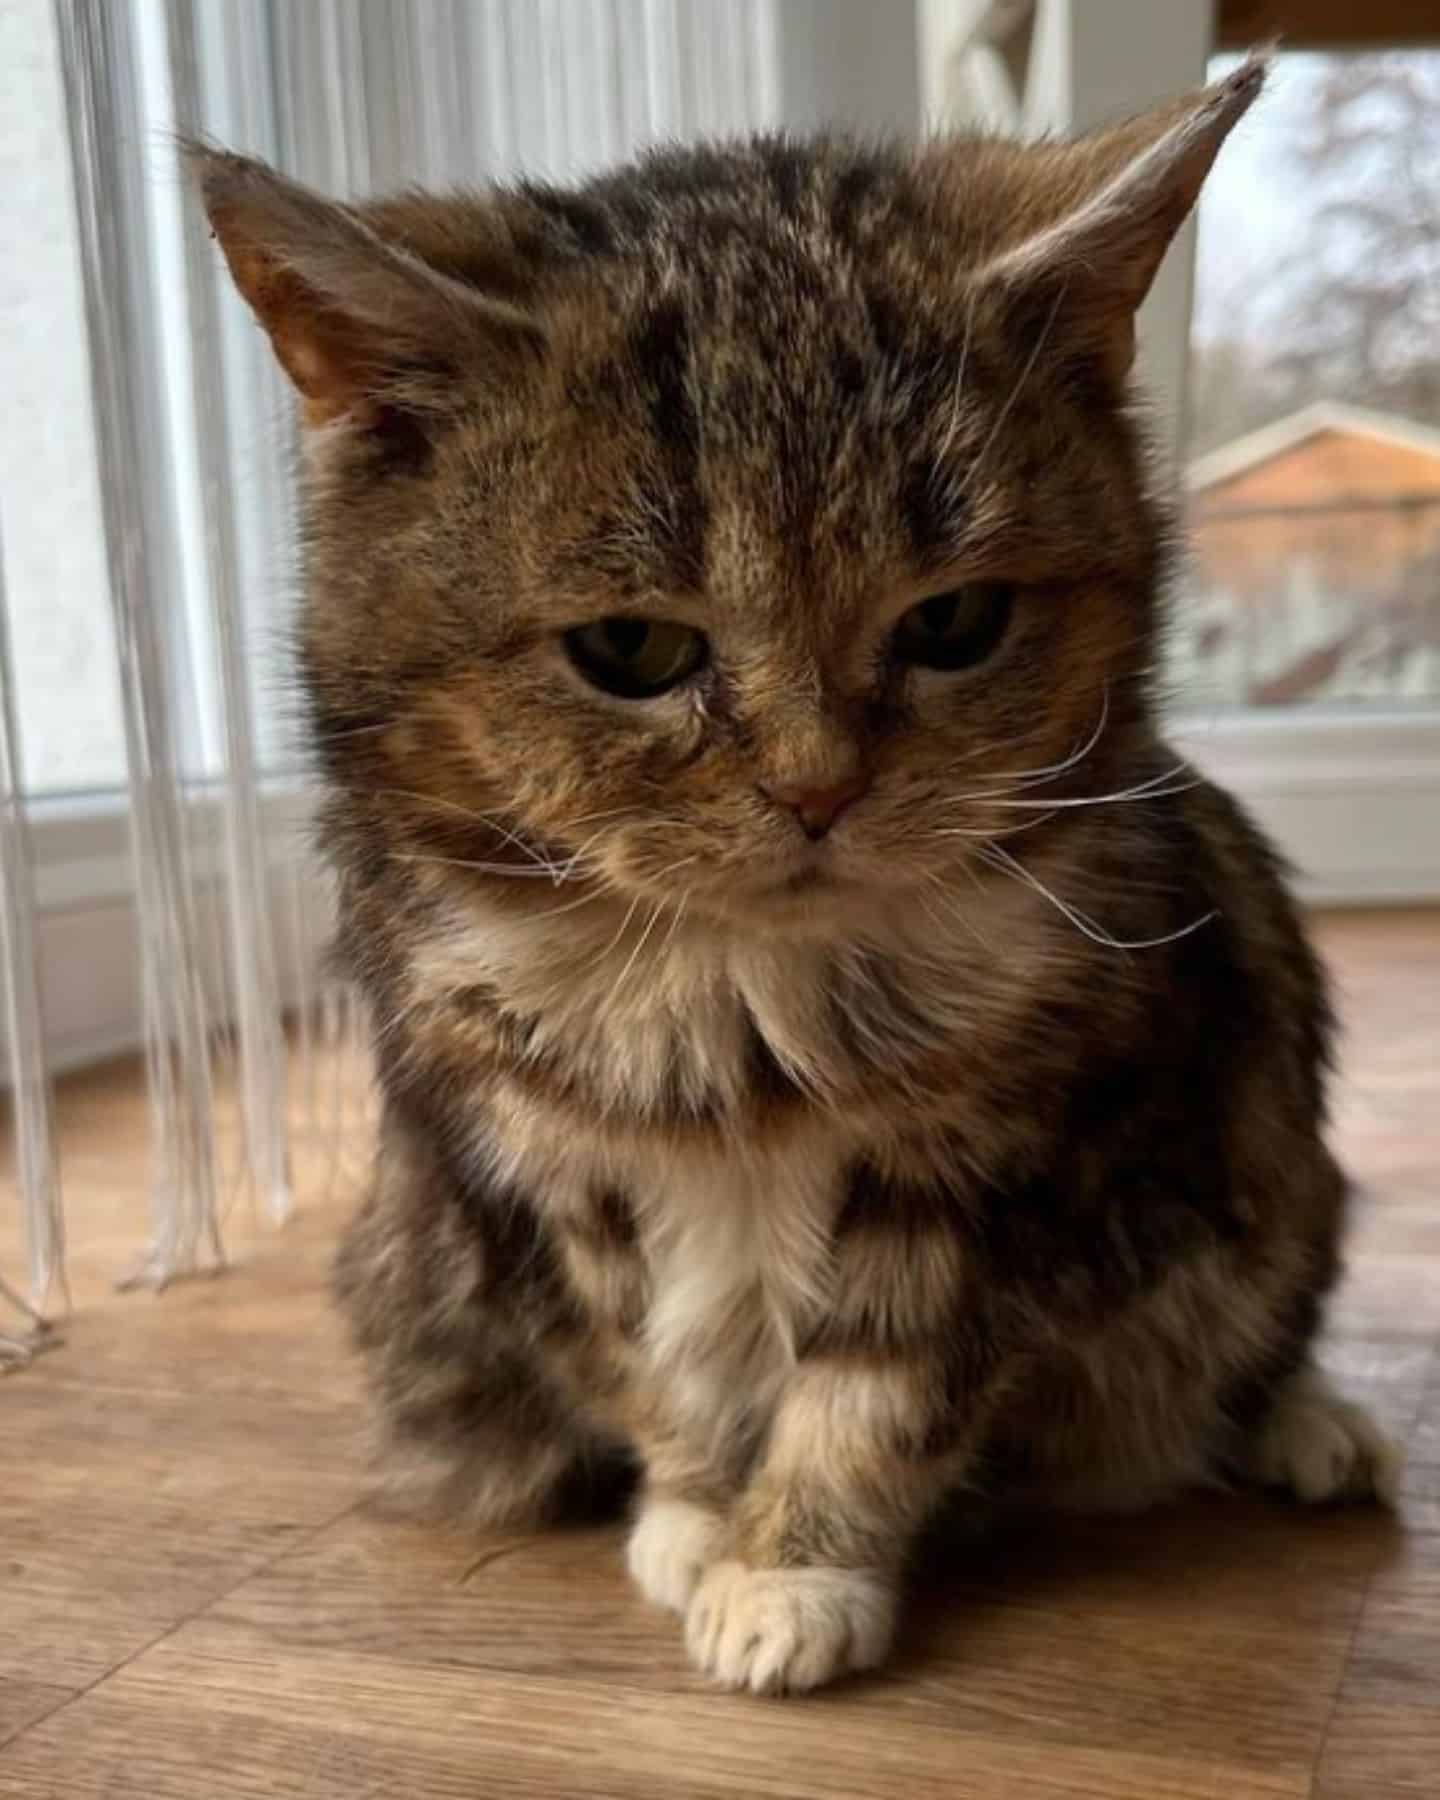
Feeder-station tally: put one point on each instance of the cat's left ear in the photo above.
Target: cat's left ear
(364, 328)
(1120, 194)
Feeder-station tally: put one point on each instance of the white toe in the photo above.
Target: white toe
(785, 1630)
(1322, 1446)
(672, 1544)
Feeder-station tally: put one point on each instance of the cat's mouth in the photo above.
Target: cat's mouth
(801, 882)
(816, 876)
(808, 879)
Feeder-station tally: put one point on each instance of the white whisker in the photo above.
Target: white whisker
(1029, 777)
(953, 426)
(1022, 778)
(466, 812)
(1042, 337)
(612, 812)
(570, 906)
(623, 928)
(577, 856)
(992, 837)
(1157, 787)
(1160, 788)
(669, 938)
(996, 858)
(957, 912)
(543, 872)
(357, 731)
(640, 944)
(683, 863)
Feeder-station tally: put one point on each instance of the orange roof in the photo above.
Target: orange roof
(1243, 454)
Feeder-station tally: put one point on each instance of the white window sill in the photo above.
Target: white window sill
(86, 928)
(1350, 796)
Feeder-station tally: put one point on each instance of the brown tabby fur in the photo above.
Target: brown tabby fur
(824, 1179)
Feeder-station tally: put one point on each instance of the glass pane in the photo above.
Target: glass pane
(1314, 451)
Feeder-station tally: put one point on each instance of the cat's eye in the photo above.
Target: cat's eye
(956, 629)
(636, 658)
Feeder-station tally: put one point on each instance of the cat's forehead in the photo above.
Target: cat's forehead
(780, 368)
(744, 432)
(760, 377)
(785, 264)
(772, 416)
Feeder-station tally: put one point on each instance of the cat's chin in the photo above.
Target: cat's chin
(805, 880)
(811, 880)
(814, 896)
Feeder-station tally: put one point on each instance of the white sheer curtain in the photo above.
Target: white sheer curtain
(208, 945)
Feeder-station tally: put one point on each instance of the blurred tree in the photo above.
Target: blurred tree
(1233, 389)
(1359, 318)
(1351, 309)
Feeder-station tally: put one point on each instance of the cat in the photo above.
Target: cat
(832, 1052)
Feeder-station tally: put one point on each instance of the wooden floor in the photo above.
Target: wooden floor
(195, 1604)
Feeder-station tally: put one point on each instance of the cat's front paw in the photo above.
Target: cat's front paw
(780, 1631)
(1322, 1447)
(671, 1546)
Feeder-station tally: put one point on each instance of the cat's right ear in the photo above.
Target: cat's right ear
(358, 323)
(1087, 222)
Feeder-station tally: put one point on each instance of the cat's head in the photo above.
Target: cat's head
(744, 525)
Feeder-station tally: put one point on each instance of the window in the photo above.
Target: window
(1313, 454)
(54, 548)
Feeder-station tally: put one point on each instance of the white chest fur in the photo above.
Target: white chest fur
(738, 1247)
(736, 1242)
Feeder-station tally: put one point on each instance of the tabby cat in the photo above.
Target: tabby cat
(832, 1051)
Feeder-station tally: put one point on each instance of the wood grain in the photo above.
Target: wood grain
(196, 1605)
(337, 1724)
(23, 1702)
(1385, 1736)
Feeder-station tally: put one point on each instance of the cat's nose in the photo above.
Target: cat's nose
(817, 807)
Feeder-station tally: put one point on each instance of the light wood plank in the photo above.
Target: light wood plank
(1384, 1741)
(23, 1702)
(333, 1726)
(1175, 1680)
(132, 1509)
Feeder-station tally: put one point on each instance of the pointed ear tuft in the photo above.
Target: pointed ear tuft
(1125, 192)
(357, 323)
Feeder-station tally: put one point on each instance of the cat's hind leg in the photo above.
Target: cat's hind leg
(447, 1303)
(482, 1447)
(1315, 1444)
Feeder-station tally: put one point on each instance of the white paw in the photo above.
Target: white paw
(1323, 1447)
(671, 1546)
(783, 1630)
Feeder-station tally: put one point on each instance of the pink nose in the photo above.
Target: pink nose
(817, 808)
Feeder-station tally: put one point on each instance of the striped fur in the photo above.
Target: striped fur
(823, 1182)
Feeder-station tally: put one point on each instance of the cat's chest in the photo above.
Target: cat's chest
(685, 1123)
(712, 1267)
(689, 1028)
(736, 1245)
